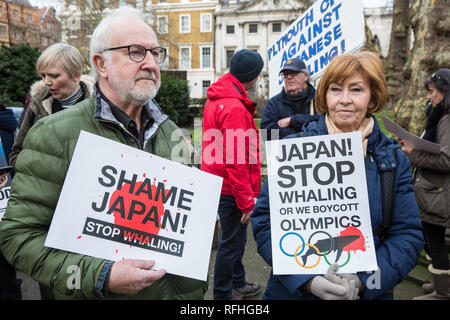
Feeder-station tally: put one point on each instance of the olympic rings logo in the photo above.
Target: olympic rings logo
(321, 248)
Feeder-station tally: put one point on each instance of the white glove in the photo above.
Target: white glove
(327, 290)
(333, 287)
(349, 282)
(353, 276)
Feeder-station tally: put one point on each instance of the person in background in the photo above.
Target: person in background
(10, 286)
(293, 106)
(60, 67)
(432, 184)
(351, 90)
(229, 112)
(25, 108)
(8, 126)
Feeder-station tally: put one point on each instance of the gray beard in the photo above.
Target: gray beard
(128, 91)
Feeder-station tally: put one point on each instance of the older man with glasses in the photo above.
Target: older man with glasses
(125, 59)
(285, 113)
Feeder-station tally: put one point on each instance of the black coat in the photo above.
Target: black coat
(8, 125)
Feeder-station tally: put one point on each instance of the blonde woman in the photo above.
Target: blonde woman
(60, 67)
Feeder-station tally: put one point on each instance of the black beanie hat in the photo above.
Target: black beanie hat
(246, 65)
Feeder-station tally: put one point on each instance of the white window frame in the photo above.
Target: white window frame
(276, 32)
(230, 25)
(202, 16)
(3, 29)
(210, 56)
(204, 89)
(140, 4)
(257, 28)
(181, 24)
(160, 31)
(165, 64)
(180, 48)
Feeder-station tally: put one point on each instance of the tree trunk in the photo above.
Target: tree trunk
(398, 51)
(431, 51)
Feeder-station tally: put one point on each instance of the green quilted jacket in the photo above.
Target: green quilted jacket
(40, 172)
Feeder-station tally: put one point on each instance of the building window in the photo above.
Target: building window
(276, 27)
(16, 14)
(230, 29)
(165, 64)
(185, 58)
(163, 26)
(122, 3)
(205, 20)
(1, 11)
(206, 57)
(2, 32)
(205, 85)
(253, 28)
(185, 23)
(29, 19)
(16, 36)
(73, 33)
(44, 41)
(229, 55)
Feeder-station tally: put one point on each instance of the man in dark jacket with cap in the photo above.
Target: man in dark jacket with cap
(230, 149)
(293, 106)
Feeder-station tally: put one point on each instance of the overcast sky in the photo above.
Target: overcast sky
(57, 3)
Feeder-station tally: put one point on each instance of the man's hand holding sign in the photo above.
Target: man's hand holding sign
(130, 276)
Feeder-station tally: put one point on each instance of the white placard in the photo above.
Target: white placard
(319, 206)
(325, 30)
(120, 202)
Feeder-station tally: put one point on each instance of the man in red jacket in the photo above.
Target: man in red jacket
(230, 149)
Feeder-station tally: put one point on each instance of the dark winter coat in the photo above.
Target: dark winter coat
(432, 182)
(396, 256)
(8, 125)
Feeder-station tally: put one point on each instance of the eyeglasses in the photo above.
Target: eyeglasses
(289, 74)
(436, 76)
(137, 53)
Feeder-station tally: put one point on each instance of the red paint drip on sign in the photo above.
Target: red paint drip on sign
(358, 244)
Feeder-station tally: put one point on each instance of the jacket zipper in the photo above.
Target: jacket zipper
(131, 135)
(124, 129)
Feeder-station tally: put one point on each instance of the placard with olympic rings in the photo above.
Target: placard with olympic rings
(319, 205)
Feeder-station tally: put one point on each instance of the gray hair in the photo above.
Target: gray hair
(101, 37)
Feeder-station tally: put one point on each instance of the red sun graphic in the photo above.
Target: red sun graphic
(137, 212)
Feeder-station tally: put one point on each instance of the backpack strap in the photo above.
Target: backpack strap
(32, 117)
(387, 195)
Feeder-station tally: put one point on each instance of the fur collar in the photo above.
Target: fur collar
(39, 86)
